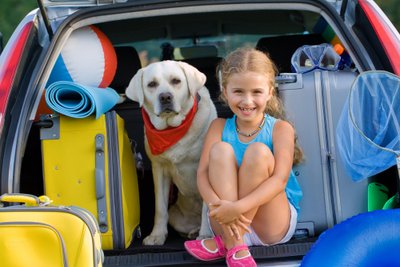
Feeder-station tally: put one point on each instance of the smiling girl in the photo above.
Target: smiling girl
(245, 171)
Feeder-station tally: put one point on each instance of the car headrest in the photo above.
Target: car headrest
(208, 66)
(128, 63)
(198, 51)
(281, 48)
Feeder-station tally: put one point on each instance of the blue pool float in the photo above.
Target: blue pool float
(369, 239)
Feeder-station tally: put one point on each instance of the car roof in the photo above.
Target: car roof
(76, 3)
(88, 3)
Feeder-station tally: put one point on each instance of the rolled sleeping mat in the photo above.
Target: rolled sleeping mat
(79, 101)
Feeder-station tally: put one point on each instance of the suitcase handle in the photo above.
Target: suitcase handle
(27, 199)
(101, 183)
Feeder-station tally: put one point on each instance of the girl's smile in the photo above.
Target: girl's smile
(247, 94)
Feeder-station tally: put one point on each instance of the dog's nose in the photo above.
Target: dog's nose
(165, 98)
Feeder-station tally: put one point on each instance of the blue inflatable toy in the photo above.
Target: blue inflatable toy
(369, 239)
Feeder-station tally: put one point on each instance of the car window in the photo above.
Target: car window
(152, 50)
(210, 35)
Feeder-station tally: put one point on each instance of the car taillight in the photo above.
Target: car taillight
(10, 65)
(387, 34)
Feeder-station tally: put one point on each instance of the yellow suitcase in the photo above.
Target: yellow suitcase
(38, 234)
(90, 163)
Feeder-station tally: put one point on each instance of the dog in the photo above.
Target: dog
(175, 105)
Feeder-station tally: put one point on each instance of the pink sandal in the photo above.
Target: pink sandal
(233, 261)
(198, 250)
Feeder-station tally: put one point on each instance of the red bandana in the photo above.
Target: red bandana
(161, 140)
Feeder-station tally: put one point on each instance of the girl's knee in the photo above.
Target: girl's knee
(258, 153)
(221, 151)
(258, 157)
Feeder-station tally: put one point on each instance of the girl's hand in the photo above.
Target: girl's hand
(243, 223)
(224, 211)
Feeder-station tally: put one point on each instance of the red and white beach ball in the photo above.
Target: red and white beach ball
(87, 58)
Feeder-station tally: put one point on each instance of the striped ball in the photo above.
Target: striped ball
(87, 58)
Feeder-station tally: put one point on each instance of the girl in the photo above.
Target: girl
(245, 171)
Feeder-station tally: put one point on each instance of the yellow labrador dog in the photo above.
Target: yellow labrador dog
(177, 111)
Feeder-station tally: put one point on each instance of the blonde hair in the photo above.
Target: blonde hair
(250, 59)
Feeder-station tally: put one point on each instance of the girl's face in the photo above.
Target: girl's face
(247, 94)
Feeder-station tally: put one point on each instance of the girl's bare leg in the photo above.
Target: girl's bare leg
(223, 177)
(271, 220)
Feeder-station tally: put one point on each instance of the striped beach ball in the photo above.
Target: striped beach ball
(87, 58)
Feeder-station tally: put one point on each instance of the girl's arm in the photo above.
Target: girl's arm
(283, 146)
(214, 135)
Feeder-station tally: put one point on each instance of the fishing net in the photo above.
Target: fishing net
(368, 132)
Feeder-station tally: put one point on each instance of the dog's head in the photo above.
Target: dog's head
(166, 88)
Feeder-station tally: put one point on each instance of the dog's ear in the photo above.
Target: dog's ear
(194, 77)
(134, 90)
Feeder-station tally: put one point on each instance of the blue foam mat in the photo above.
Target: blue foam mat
(79, 101)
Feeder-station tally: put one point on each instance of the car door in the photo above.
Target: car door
(372, 28)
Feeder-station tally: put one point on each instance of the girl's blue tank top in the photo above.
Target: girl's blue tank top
(229, 135)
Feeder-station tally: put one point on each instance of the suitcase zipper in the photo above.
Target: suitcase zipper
(91, 223)
(87, 217)
(43, 225)
(115, 181)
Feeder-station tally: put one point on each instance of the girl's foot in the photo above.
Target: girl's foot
(199, 250)
(239, 256)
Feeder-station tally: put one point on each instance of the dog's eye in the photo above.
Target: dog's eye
(152, 84)
(175, 81)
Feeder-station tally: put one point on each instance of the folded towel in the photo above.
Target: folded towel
(79, 101)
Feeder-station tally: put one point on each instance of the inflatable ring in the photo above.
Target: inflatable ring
(367, 240)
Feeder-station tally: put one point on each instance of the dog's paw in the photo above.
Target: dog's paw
(153, 240)
(194, 233)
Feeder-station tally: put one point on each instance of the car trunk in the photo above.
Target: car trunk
(313, 101)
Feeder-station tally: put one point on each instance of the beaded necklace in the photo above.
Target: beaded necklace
(253, 132)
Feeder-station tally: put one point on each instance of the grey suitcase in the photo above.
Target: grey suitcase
(313, 102)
